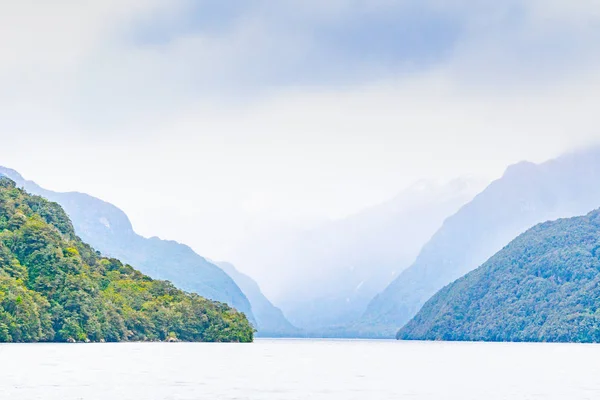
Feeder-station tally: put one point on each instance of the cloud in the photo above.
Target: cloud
(133, 57)
(260, 113)
(60, 33)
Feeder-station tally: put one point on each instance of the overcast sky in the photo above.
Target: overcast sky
(207, 120)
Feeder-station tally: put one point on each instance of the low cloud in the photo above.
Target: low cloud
(289, 112)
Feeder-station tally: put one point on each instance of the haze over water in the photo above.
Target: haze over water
(300, 369)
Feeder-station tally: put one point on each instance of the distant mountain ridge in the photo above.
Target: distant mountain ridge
(327, 275)
(109, 230)
(527, 194)
(543, 287)
(270, 321)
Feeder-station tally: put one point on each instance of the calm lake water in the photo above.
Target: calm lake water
(300, 369)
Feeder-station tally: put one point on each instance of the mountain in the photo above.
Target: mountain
(543, 287)
(527, 194)
(270, 321)
(326, 276)
(54, 287)
(109, 230)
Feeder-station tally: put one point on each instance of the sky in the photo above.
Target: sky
(210, 122)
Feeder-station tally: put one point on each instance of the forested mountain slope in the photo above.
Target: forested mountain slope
(544, 286)
(109, 230)
(54, 287)
(526, 195)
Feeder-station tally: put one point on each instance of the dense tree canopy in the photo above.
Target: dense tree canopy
(54, 287)
(543, 286)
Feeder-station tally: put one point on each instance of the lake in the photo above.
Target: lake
(299, 370)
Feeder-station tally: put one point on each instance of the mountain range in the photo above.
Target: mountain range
(56, 288)
(527, 194)
(349, 278)
(108, 229)
(543, 287)
(325, 276)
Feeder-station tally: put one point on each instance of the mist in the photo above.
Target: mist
(214, 126)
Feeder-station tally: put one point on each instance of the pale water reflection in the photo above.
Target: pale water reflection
(300, 369)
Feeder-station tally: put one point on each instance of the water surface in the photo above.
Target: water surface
(300, 370)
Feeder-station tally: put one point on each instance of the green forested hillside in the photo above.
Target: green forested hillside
(527, 194)
(54, 287)
(108, 229)
(543, 286)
